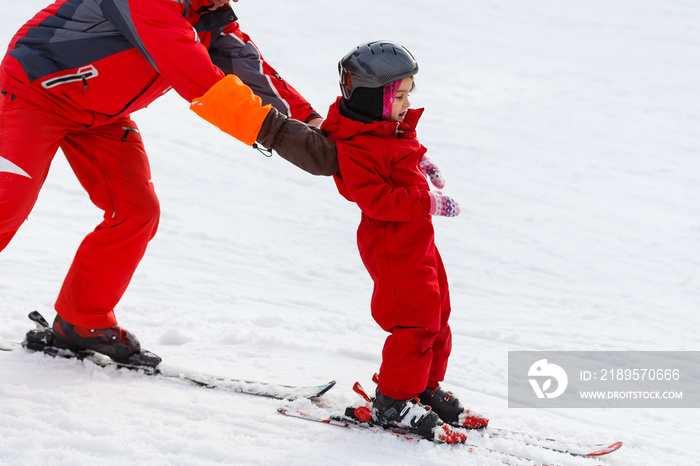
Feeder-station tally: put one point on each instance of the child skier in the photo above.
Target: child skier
(383, 169)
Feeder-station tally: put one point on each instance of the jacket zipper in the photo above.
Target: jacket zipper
(136, 97)
(91, 72)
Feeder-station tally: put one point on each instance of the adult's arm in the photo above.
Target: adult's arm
(233, 51)
(223, 100)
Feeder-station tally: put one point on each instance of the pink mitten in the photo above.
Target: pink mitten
(431, 171)
(443, 206)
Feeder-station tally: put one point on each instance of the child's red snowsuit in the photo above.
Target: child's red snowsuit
(379, 171)
(72, 76)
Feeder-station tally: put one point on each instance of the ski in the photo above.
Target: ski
(248, 387)
(560, 446)
(546, 443)
(5, 346)
(42, 338)
(351, 422)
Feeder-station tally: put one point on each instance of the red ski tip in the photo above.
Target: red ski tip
(606, 450)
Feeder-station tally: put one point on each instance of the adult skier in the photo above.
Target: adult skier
(72, 76)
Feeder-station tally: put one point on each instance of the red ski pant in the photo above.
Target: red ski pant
(411, 301)
(108, 157)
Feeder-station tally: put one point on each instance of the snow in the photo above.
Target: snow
(566, 130)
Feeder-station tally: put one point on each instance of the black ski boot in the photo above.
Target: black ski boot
(450, 410)
(413, 417)
(116, 342)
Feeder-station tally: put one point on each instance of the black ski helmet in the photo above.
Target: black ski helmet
(374, 65)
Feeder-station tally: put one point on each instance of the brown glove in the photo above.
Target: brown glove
(298, 143)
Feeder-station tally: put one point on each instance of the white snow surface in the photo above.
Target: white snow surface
(568, 132)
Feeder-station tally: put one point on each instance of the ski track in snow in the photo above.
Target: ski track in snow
(568, 133)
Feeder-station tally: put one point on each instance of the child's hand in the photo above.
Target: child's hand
(432, 171)
(442, 205)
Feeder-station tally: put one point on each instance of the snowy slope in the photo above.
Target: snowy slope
(567, 131)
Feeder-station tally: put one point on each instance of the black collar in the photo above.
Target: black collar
(210, 21)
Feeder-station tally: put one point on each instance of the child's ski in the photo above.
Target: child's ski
(571, 448)
(351, 422)
(568, 447)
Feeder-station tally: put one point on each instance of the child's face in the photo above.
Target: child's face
(401, 103)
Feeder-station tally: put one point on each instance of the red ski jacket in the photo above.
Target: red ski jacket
(117, 56)
(379, 165)
(379, 171)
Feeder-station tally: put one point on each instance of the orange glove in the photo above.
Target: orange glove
(232, 107)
